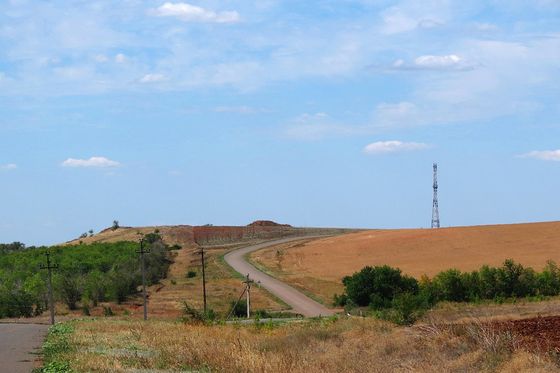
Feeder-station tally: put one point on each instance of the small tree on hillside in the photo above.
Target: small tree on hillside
(115, 225)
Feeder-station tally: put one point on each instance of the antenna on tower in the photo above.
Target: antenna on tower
(435, 206)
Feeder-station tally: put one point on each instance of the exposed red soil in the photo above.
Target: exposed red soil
(219, 235)
(539, 334)
(267, 223)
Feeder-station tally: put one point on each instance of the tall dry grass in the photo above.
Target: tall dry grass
(345, 345)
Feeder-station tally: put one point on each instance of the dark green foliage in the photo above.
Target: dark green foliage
(86, 273)
(108, 311)
(340, 300)
(239, 309)
(191, 274)
(377, 286)
(11, 247)
(401, 299)
(191, 314)
(405, 309)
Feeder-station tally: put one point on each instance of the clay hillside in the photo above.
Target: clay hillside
(188, 236)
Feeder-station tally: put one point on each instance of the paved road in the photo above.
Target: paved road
(300, 303)
(17, 343)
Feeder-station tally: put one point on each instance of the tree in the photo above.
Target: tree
(115, 225)
(377, 286)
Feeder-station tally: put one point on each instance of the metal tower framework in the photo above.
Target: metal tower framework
(435, 206)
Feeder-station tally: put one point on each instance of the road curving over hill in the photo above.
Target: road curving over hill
(299, 302)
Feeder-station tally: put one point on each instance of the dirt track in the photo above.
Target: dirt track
(17, 343)
(298, 301)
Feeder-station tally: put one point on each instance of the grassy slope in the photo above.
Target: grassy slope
(165, 299)
(346, 345)
(319, 266)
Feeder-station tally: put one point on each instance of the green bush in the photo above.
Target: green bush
(191, 274)
(402, 299)
(377, 286)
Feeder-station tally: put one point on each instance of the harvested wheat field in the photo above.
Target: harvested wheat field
(319, 265)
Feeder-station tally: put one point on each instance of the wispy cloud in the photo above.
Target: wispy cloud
(238, 109)
(434, 62)
(394, 146)
(95, 162)
(317, 126)
(192, 13)
(152, 78)
(544, 155)
(8, 167)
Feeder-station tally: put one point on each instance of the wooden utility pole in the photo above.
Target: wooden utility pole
(203, 264)
(49, 267)
(203, 277)
(142, 252)
(248, 283)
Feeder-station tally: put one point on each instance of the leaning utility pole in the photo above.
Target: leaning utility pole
(248, 283)
(49, 267)
(203, 263)
(435, 204)
(142, 252)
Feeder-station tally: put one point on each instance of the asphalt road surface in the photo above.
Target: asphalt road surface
(299, 302)
(17, 344)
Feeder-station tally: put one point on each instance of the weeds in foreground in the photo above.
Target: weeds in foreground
(322, 345)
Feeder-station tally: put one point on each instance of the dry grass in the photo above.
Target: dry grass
(319, 265)
(346, 345)
(222, 286)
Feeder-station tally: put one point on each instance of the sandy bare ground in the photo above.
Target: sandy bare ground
(17, 343)
(298, 301)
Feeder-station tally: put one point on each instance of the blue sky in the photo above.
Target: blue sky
(312, 113)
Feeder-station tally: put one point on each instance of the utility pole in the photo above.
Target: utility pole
(248, 283)
(49, 267)
(203, 263)
(142, 252)
(435, 204)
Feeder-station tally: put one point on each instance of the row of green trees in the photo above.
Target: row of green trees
(86, 274)
(402, 298)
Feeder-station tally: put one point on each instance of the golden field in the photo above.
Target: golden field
(318, 266)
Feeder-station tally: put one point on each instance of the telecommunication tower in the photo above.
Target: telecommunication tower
(435, 206)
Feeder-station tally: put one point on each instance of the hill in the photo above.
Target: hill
(318, 266)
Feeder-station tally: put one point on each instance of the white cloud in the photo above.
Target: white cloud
(192, 13)
(238, 109)
(9, 166)
(99, 162)
(120, 58)
(101, 58)
(394, 146)
(152, 78)
(434, 62)
(544, 155)
(430, 61)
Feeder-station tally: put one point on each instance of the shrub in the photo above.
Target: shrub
(407, 308)
(191, 274)
(108, 311)
(377, 286)
(239, 309)
(449, 286)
